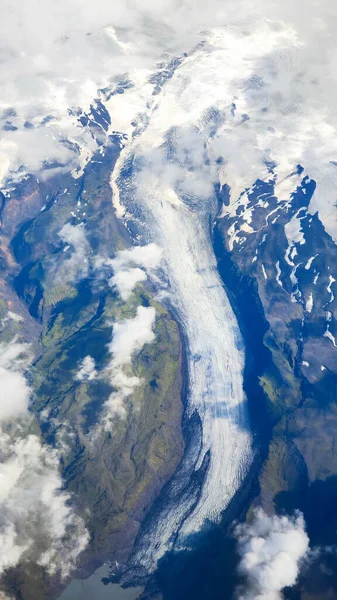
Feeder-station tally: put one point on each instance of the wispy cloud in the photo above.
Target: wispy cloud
(76, 263)
(148, 257)
(131, 266)
(87, 370)
(126, 280)
(15, 392)
(37, 523)
(271, 550)
(129, 337)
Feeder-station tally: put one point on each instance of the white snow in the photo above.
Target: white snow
(310, 261)
(240, 206)
(331, 281)
(278, 274)
(329, 335)
(328, 315)
(293, 229)
(287, 257)
(309, 303)
(293, 252)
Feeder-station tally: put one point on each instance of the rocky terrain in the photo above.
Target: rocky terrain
(64, 307)
(281, 271)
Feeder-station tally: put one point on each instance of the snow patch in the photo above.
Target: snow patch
(329, 335)
(331, 281)
(309, 303)
(278, 274)
(310, 261)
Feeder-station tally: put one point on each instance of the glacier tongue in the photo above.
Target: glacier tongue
(215, 353)
(182, 228)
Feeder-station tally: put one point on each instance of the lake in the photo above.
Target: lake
(93, 589)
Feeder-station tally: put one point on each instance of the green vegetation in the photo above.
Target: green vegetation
(114, 475)
(120, 473)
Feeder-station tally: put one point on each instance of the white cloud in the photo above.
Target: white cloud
(37, 522)
(77, 264)
(115, 405)
(87, 370)
(54, 58)
(148, 257)
(130, 265)
(271, 550)
(280, 70)
(11, 552)
(14, 355)
(14, 395)
(125, 281)
(14, 390)
(129, 337)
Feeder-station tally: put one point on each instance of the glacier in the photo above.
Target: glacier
(215, 347)
(164, 188)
